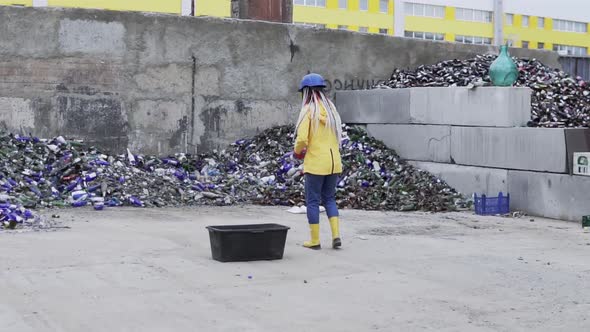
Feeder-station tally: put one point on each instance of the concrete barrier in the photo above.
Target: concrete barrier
(486, 106)
(556, 196)
(536, 149)
(468, 179)
(415, 142)
(374, 106)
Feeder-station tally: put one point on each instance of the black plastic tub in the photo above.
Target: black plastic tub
(240, 243)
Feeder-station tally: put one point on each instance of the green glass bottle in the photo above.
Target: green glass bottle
(503, 70)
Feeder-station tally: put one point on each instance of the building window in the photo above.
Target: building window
(541, 45)
(343, 27)
(525, 21)
(570, 26)
(509, 19)
(473, 15)
(570, 50)
(424, 35)
(383, 31)
(364, 4)
(473, 40)
(313, 3)
(343, 4)
(417, 9)
(363, 29)
(541, 23)
(316, 25)
(525, 44)
(384, 6)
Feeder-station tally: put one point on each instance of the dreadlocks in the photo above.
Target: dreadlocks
(313, 100)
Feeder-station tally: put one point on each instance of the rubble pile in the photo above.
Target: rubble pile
(374, 178)
(558, 100)
(37, 173)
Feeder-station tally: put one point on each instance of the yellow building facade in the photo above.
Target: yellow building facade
(216, 8)
(424, 19)
(172, 7)
(373, 16)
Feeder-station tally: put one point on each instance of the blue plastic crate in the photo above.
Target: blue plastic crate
(492, 205)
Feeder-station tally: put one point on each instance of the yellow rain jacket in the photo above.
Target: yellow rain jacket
(323, 151)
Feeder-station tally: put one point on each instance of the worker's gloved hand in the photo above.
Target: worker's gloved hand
(300, 156)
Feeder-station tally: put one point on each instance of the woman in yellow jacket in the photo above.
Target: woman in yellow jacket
(319, 131)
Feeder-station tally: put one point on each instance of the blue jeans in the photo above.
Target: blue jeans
(320, 188)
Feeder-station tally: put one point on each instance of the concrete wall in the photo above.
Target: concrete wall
(160, 84)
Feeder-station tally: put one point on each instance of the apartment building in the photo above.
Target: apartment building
(543, 24)
(561, 26)
(218, 8)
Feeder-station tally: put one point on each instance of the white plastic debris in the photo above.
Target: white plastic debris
(303, 209)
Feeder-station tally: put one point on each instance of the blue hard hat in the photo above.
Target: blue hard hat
(313, 81)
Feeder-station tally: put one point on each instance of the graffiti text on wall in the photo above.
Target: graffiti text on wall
(356, 84)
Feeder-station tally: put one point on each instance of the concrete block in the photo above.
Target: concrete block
(368, 106)
(488, 106)
(415, 142)
(92, 37)
(17, 115)
(558, 196)
(536, 149)
(468, 179)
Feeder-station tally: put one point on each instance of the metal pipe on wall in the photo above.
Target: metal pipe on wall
(187, 8)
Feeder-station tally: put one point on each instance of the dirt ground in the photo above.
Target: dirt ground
(151, 270)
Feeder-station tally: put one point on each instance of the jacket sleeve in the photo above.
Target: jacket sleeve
(302, 135)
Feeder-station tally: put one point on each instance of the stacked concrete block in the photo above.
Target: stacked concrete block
(549, 195)
(427, 143)
(374, 106)
(468, 179)
(476, 140)
(535, 149)
(489, 106)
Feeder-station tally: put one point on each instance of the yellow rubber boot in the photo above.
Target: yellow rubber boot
(315, 237)
(335, 226)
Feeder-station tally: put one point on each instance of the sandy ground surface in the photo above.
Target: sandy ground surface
(151, 270)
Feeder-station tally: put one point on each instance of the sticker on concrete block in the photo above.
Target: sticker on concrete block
(581, 163)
